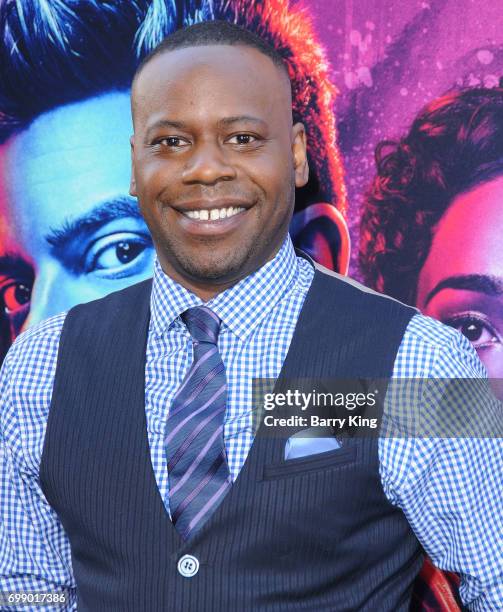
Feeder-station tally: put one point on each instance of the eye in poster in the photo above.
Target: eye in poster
(403, 110)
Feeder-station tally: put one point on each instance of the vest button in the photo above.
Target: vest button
(188, 566)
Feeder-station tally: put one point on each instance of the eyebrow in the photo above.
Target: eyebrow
(241, 118)
(483, 283)
(180, 125)
(72, 230)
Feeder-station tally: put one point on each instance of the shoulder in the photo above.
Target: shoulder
(358, 292)
(39, 344)
(30, 363)
(26, 382)
(36, 345)
(431, 348)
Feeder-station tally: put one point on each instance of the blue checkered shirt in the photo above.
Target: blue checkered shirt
(449, 489)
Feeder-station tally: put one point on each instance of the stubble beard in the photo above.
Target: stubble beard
(214, 263)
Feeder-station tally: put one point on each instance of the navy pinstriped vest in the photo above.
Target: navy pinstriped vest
(311, 534)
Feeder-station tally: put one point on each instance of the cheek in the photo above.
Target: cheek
(276, 184)
(493, 361)
(492, 358)
(153, 177)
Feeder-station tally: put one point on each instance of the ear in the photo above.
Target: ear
(322, 232)
(132, 182)
(299, 151)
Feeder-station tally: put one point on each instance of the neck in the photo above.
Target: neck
(206, 289)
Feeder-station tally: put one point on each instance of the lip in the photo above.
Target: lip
(212, 204)
(216, 227)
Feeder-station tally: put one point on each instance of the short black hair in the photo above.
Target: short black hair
(453, 145)
(216, 32)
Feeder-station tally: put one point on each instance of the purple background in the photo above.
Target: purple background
(389, 58)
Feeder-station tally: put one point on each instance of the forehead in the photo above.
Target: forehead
(68, 159)
(467, 239)
(219, 79)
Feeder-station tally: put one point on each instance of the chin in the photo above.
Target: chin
(214, 268)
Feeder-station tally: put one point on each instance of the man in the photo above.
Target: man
(144, 487)
(73, 239)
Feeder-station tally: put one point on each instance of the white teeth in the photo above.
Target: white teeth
(214, 214)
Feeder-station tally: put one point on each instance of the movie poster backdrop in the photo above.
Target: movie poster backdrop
(416, 81)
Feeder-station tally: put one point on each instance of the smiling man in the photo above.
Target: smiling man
(131, 477)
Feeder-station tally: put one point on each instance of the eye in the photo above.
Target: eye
(242, 139)
(478, 331)
(15, 295)
(119, 255)
(172, 142)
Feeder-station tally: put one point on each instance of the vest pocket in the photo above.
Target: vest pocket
(318, 461)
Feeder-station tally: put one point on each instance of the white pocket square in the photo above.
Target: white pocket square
(310, 441)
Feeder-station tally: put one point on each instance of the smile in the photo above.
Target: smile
(212, 222)
(215, 214)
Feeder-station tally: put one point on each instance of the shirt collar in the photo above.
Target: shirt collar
(240, 307)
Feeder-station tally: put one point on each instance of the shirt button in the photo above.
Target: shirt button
(188, 566)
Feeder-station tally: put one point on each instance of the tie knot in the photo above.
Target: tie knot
(203, 324)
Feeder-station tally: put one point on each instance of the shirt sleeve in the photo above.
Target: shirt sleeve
(34, 549)
(444, 468)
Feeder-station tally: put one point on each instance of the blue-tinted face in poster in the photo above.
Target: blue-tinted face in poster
(78, 233)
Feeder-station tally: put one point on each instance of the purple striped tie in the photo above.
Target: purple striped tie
(197, 466)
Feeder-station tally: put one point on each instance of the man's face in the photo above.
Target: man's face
(215, 161)
(70, 231)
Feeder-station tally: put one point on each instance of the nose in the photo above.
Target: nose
(208, 165)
